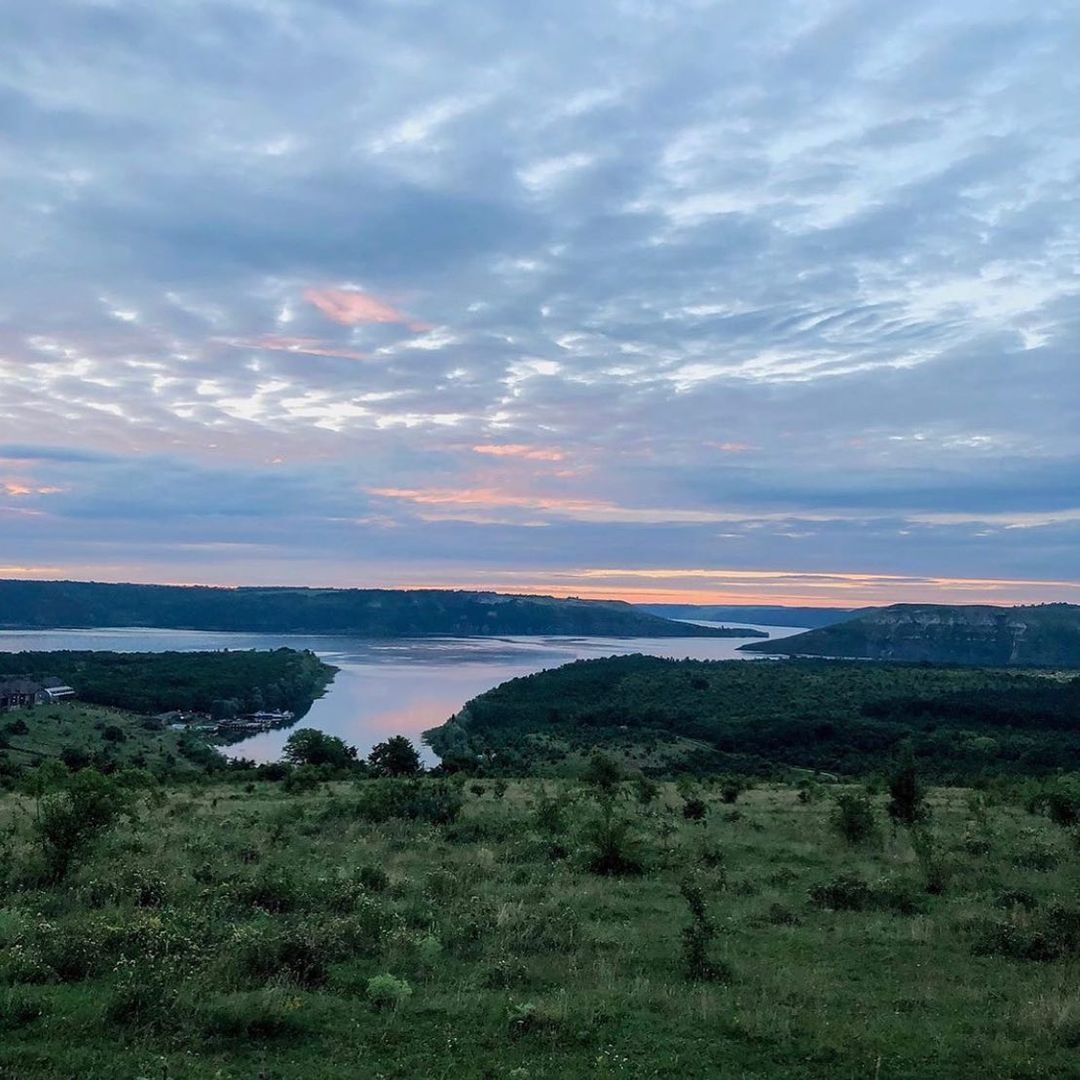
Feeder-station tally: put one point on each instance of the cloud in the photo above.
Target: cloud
(563, 298)
(352, 306)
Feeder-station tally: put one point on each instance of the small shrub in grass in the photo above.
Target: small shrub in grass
(478, 790)
(846, 892)
(269, 1013)
(434, 801)
(697, 939)
(778, 915)
(1016, 898)
(694, 809)
(731, 787)
(386, 994)
(529, 1018)
(273, 889)
(18, 1009)
(646, 791)
(854, 819)
(499, 788)
(373, 878)
(503, 973)
(1049, 935)
(549, 817)
(1034, 852)
(144, 996)
(611, 846)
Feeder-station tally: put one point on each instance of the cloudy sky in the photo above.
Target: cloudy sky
(641, 298)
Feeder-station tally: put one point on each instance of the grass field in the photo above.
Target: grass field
(228, 932)
(112, 737)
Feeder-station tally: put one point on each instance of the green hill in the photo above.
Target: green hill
(363, 612)
(1039, 635)
(689, 716)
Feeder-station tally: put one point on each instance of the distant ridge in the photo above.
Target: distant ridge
(361, 612)
(1037, 635)
(759, 614)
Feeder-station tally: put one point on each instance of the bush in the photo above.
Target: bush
(1052, 935)
(385, 993)
(72, 819)
(18, 1009)
(854, 818)
(434, 801)
(697, 939)
(611, 847)
(252, 1014)
(846, 892)
(694, 809)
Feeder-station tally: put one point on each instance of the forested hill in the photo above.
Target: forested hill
(1039, 635)
(846, 718)
(366, 612)
(238, 681)
(767, 615)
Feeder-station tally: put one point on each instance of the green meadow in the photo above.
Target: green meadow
(535, 929)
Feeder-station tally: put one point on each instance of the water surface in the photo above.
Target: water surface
(396, 686)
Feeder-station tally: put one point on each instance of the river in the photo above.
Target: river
(390, 686)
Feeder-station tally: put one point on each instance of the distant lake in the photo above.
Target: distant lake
(391, 686)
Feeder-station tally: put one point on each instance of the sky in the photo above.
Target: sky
(652, 299)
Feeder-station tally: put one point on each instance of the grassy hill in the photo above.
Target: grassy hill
(669, 717)
(1039, 635)
(237, 931)
(108, 738)
(366, 612)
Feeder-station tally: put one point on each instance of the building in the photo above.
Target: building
(21, 694)
(56, 690)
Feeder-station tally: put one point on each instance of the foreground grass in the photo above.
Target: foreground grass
(229, 932)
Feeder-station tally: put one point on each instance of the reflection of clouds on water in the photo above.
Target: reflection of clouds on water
(389, 686)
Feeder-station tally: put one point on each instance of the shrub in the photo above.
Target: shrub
(273, 889)
(254, 1014)
(611, 847)
(854, 819)
(373, 878)
(18, 1009)
(72, 819)
(846, 892)
(694, 809)
(385, 993)
(434, 801)
(603, 773)
(548, 816)
(1051, 935)
(647, 791)
(697, 939)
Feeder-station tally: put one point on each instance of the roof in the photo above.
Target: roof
(19, 686)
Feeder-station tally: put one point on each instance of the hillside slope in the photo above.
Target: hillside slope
(755, 615)
(707, 716)
(1042, 635)
(367, 612)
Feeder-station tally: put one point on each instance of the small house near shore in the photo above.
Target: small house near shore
(25, 693)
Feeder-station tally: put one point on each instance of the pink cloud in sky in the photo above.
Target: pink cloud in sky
(488, 498)
(519, 450)
(301, 345)
(352, 306)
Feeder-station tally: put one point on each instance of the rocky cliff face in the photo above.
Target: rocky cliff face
(1047, 634)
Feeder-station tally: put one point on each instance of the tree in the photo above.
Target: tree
(395, 757)
(907, 804)
(604, 773)
(307, 746)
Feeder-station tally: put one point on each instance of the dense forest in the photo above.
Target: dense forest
(669, 717)
(227, 682)
(1035, 635)
(366, 612)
